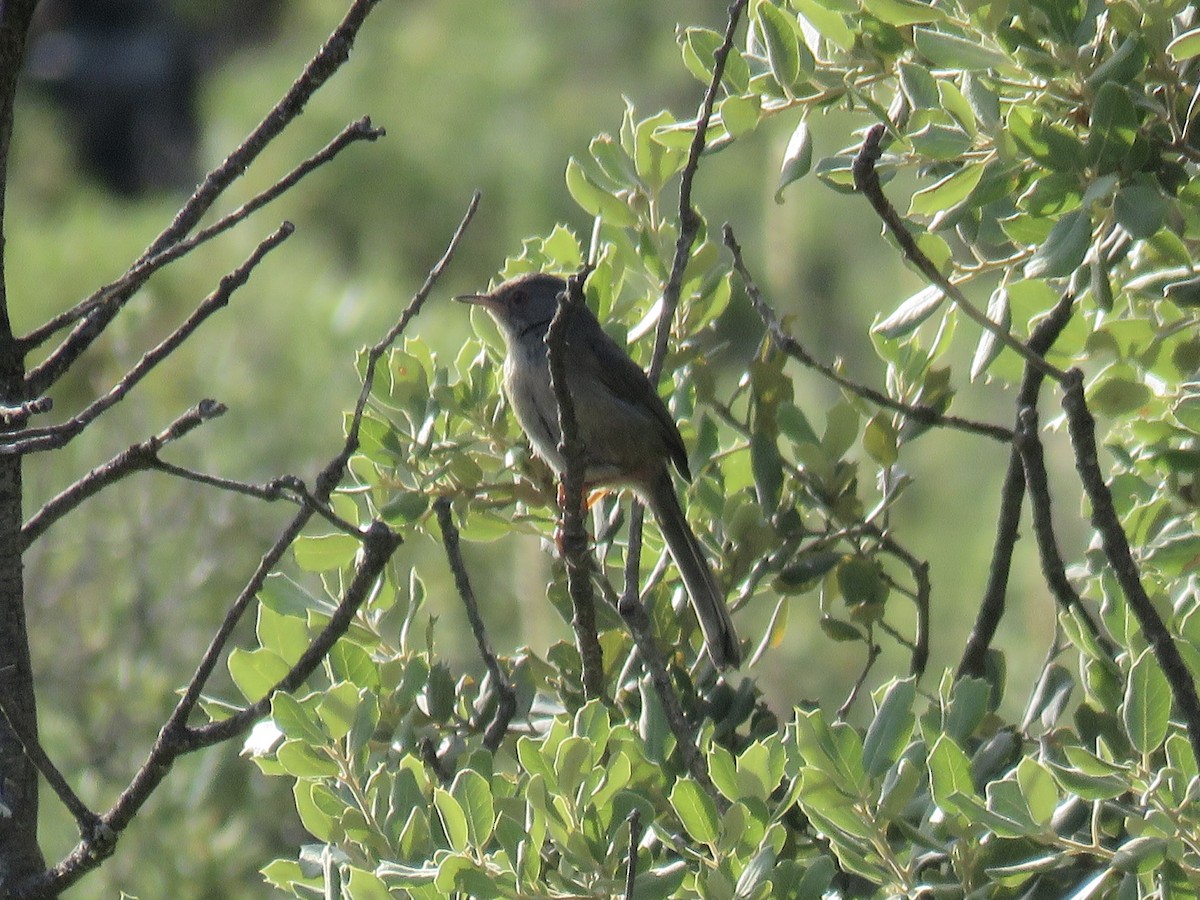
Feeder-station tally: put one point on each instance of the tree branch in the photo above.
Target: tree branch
(1012, 496)
(1082, 428)
(331, 56)
(926, 415)
(689, 226)
(574, 539)
(866, 179)
(506, 698)
(35, 439)
(91, 829)
(176, 737)
(121, 290)
(136, 458)
(1053, 568)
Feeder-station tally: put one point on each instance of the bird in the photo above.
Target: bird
(628, 437)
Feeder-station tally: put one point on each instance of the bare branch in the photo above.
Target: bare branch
(34, 439)
(333, 53)
(635, 837)
(91, 829)
(121, 290)
(177, 737)
(926, 415)
(1082, 428)
(1053, 568)
(12, 416)
(505, 695)
(873, 651)
(1012, 495)
(689, 226)
(866, 179)
(135, 458)
(574, 538)
(689, 219)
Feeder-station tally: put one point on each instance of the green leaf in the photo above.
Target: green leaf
(454, 820)
(918, 85)
(1186, 46)
(363, 885)
(891, 728)
(1115, 396)
(950, 51)
(949, 774)
(797, 159)
(1147, 708)
(1038, 790)
(1140, 855)
(295, 721)
(804, 572)
(879, 439)
(325, 552)
(301, 761)
(255, 672)
(1064, 248)
(338, 707)
(910, 314)
(695, 810)
(594, 200)
(789, 58)
(1140, 208)
(1114, 125)
(989, 346)
(903, 12)
(740, 115)
(826, 21)
(946, 193)
(474, 797)
(315, 820)
(837, 630)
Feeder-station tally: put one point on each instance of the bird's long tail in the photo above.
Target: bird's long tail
(720, 639)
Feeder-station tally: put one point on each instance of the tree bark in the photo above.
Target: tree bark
(20, 855)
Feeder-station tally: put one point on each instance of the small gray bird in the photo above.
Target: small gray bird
(627, 433)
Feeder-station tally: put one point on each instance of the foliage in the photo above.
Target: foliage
(1044, 147)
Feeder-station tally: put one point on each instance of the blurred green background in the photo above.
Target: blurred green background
(124, 595)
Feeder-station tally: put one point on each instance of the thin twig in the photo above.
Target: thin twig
(506, 698)
(328, 59)
(135, 458)
(1082, 429)
(640, 627)
(920, 573)
(689, 226)
(1038, 485)
(177, 737)
(635, 837)
(689, 219)
(31, 440)
(926, 415)
(89, 824)
(1012, 496)
(126, 286)
(12, 416)
(378, 544)
(290, 488)
(574, 539)
(873, 651)
(866, 179)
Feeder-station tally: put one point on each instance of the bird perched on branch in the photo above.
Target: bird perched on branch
(629, 438)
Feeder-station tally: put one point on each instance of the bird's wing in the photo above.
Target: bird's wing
(624, 378)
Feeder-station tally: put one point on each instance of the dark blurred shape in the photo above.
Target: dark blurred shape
(126, 73)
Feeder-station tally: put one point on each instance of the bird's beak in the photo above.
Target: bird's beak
(487, 301)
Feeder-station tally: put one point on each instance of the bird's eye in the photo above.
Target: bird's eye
(518, 298)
